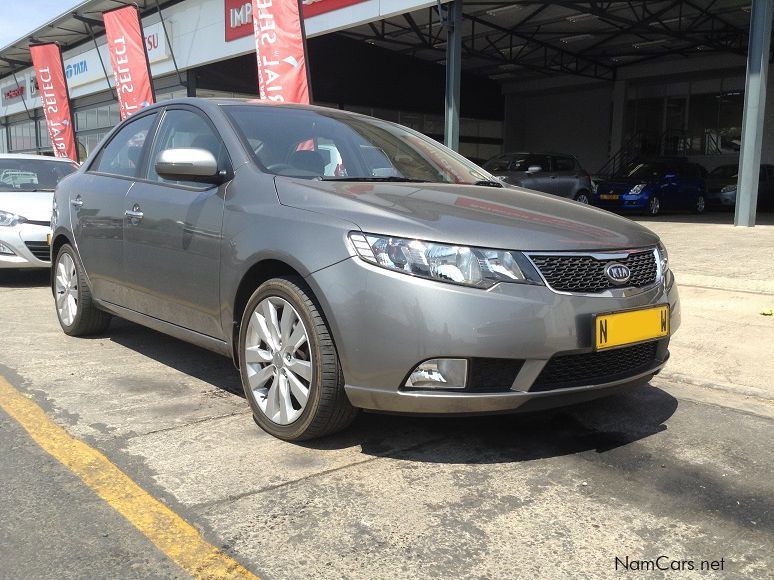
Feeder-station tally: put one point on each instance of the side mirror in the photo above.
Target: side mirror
(534, 169)
(188, 164)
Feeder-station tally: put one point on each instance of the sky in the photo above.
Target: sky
(20, 17)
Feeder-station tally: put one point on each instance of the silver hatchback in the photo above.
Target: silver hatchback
(350, 263)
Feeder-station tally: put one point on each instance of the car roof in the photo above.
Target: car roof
(34, 157)
(210, 102)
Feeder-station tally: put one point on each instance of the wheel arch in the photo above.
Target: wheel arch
(256, 275)
(59, 240)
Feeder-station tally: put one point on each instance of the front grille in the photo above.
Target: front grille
(584, 273)
(41, 250)
(594, 368)
(489, 375)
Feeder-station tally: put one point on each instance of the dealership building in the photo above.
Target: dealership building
(604, 81)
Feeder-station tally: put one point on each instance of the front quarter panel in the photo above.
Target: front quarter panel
(256, 228)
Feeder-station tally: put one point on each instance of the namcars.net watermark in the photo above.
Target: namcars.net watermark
(667, 564)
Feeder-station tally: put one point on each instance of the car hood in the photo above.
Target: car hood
(34, 205)
(621, 184)
(507, 218)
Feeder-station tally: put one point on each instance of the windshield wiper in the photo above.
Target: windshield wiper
(488, 183)
(394, 178)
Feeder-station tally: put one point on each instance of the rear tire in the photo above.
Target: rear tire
(288, 364)
(76, 311)
(701, 204)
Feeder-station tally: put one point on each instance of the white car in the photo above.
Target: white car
(27, 185)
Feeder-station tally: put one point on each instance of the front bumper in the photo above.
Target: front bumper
(385, 323)
(721, 199)
(624, 202)
(25, 240)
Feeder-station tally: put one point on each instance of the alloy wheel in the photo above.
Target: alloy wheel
(278, 360)
(582, 198)
(66, 286)
(700, 204)
(654, 206)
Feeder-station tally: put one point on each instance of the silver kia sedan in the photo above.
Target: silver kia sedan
(347, 263)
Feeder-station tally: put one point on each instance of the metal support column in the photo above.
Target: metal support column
(617, 121)
(754, 108)
(453, 73)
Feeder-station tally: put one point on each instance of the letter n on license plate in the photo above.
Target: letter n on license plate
(630, 326)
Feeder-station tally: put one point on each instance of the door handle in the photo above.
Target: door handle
(134, 214)
(77, 202)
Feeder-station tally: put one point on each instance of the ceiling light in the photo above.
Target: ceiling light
(650, 43)
(575, 38)
(501, 9)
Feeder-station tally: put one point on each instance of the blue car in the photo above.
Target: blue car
(654, 186)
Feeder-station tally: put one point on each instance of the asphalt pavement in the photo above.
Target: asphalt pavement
(676, 474)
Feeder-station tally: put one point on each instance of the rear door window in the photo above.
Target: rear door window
(564, 164)
(124, 153)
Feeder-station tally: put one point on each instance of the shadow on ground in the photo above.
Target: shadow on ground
(599, 425)
(24, 278)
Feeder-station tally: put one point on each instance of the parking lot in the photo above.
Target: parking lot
(680, 468)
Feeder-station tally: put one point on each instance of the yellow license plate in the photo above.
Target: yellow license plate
(630, 327)
(608, 196)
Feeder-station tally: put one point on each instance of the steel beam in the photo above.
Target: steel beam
(451, 133)
(754, 108)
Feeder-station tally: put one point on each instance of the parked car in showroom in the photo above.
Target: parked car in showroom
(721, 187)
(26, 192)
(653, 186)
(412, 281)
(553, 173)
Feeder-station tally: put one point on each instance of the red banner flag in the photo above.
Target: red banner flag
(280, 47)
(131, 69)
(52, 87)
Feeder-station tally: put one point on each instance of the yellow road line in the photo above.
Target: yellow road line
(171, 534)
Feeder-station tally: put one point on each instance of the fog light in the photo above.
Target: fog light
(440, 373)
(5, 250)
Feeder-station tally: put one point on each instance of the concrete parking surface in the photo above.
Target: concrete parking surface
(680, 468)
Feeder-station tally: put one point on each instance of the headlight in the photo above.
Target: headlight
(8, 219)
(727, 188)
(663, 257)
(477, 267)
(637, 189)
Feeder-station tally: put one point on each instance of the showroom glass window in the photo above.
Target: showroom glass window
(123, 154)
(185, 128)
(306, 143)
(92, 124)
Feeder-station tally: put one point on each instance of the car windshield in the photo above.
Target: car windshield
(646, 170)
(32, 174)
(320, 144)
(724, 172)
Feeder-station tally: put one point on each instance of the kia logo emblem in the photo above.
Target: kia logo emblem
(617, 273)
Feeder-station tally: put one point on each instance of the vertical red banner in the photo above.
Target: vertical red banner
(280, 47)
(129, 59)
(52, 88)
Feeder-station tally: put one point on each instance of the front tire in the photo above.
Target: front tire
(75, 308)
(289, 366)
(654, 205)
